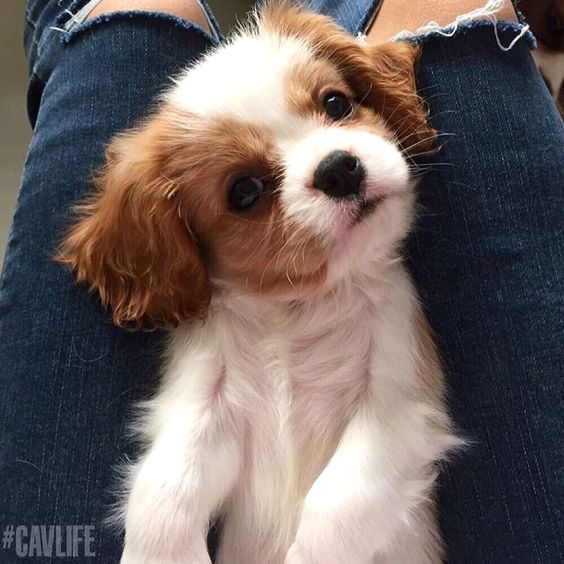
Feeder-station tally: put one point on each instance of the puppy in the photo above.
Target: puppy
(259, 215)
(546, 18)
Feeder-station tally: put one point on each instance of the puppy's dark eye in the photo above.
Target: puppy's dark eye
(337, 106)
(244, 193)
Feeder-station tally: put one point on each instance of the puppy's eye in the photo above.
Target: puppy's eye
(337, 106)
(244, 193)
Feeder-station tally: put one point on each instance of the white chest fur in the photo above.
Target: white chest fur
(281, 417)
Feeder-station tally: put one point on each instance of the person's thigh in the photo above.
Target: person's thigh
(68, 377)
(488, 258)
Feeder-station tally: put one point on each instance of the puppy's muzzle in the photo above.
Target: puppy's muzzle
(340, 175)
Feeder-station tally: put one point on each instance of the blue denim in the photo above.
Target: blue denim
(487, 255)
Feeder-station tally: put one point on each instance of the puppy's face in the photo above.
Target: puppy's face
(276, 165)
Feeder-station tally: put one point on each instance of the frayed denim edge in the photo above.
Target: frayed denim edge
(453, 31)
(69, 36)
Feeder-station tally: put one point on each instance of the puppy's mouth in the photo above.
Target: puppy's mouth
(367, 207)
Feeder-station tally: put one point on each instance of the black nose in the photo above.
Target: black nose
(339, 174)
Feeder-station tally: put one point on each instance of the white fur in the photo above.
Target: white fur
(387, 173)
(303, 423)
(251, 92)
(262, 393)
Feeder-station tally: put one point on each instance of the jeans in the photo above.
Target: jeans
(487, 256)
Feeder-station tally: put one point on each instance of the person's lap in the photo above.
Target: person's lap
(68, 376)
(487, 258)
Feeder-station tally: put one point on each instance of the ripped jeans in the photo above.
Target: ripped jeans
(487, 255)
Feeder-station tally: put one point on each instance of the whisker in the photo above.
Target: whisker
(275, 257)
(365, 95)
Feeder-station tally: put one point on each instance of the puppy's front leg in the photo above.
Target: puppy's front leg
(185, 476)
(367, 492)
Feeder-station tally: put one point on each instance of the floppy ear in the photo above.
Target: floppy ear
(394, 94)
(382, 76)
(130, 243)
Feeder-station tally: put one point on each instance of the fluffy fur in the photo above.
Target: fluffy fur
(302, 398)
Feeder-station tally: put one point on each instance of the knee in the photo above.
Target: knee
(189, 10)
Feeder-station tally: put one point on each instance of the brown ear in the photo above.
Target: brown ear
(382, 76)
(130, 243)
(395, 96)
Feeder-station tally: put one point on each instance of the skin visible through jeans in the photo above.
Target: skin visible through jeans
(397, 15)
(393, 15)
(188, 10)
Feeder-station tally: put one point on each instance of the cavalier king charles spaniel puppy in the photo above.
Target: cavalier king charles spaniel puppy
(258, 215)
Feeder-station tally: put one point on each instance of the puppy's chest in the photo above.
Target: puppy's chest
(310, 368)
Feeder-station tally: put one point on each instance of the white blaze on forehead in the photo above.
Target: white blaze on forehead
(243, 80)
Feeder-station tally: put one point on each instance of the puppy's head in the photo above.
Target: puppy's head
(275, 165)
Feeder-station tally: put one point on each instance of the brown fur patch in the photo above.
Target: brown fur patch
(307, 84)
(130, 243)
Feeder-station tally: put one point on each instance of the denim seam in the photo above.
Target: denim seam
(33, 25)
(369, 18)
(212, 22)
(38, 42)
(30, 22)
(66, 14)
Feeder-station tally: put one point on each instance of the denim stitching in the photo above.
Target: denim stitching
(48, 30)
(369, 18)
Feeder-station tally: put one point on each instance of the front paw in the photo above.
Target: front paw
(350, 532)
(299, 553)
(328, 554)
